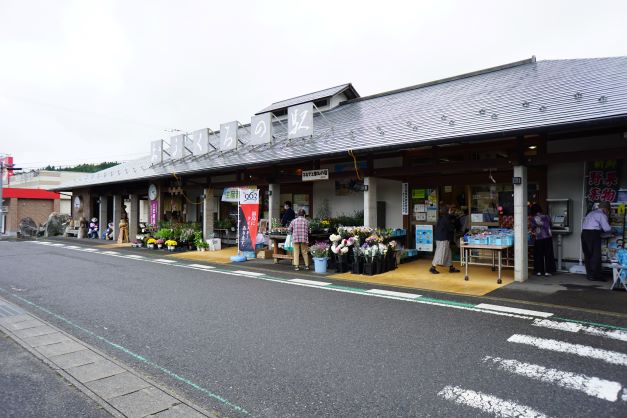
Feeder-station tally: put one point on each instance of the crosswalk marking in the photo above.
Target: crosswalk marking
(587, 329)
(311, 282)
(590, 385)
(513, 310)
(612, 357)
(488, 403)
(391, 293)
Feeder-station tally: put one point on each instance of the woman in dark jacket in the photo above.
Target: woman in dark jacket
(443, 235)
(288, 215)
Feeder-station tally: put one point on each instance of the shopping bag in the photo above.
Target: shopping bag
(288, 243)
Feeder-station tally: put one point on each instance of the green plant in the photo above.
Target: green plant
(163, 233)
(202, 244)
(186, 235)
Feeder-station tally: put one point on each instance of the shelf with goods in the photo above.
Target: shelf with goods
(611, 244)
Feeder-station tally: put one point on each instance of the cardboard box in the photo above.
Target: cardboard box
(265, 253)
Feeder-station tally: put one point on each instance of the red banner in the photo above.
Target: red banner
(248, 218)
(7, 173)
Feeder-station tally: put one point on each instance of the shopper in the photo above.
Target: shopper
(443, 235)
(595, 223)
(288, 215)
(543, 257)
(299, 228)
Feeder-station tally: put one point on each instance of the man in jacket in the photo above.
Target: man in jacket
(443, 236)
(299, 228)
(595, 223)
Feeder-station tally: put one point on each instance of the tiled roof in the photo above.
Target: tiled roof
(311, 97)
(522, 96)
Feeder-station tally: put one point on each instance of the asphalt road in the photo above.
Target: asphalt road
(246, 346)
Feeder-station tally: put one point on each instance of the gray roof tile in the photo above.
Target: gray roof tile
(311, 97)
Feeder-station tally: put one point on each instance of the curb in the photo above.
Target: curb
(141, 397)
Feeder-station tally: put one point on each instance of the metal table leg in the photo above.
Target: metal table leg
(499, 281)
(467, 260)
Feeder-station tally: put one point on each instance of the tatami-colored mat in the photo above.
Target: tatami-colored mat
(416, 275)
(222, 256)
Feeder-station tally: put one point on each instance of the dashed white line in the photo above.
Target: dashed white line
(199, 266)
(513, 310)
(133, 256)
(163, 260)
(587, 329)
(488, 403)
(72, 247)
(612, 357)
(110, 253)
(392, 293)
(311, 282)
(249, 273)
(58, 245)
(590, 385)
(89, 250)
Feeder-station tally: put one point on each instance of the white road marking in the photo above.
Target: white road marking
(110, 253)
(163, 260)
(391, 293)
(590, 385)
(513, 310)
(587, 329)
(58, 245)
(43, 242)
(624, 395)
(136, 257)
(612, 357)
(72, 247)
(488, 403)
(311, 282)
(249, 273)
(199, 266)
(89, 250)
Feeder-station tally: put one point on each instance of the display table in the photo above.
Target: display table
(277, 253)
(618, 271)
(497, 254)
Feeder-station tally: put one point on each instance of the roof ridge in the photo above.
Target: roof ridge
(531, 60)
(313, 92)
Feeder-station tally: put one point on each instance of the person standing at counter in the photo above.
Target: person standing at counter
(299, 228)
(444, 235)
(543, 257)
(288, 215)
(595, 223)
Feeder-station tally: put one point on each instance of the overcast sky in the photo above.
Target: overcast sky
(88, 81)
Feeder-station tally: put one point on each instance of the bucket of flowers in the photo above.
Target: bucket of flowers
(160, 242)
(151, 242)
(171, 244)
(320, 254)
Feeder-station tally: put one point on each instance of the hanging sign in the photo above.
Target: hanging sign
(312, 175)
(602, 181)
(424, 238)
(228, 136)
(261, 129)
(156, 151)
(230, 194)
(177, 147)
(154, 212)
(300, 120)
(200, 141)
(248, 219)
(405, 199)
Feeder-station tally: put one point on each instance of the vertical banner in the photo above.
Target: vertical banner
(300, 120)
(602, 181)
(248, 219)
(154, 211)
(424, 238)
(6, 172)
(405, 199)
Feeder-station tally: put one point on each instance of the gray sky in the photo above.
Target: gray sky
(87, 81)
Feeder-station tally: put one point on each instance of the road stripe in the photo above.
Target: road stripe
(488, 403)
(110, 253)
(500, 308)
(199, 266)
(612, 357)
(89, 250)
(392, 293)
(72, 247)
(586, 329)
(249, 273)
(133, 256)
(58, 245)
(311, 282)
(163, 260)
(590, 385)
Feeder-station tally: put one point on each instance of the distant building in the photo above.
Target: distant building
(45, 179)
(21, 203)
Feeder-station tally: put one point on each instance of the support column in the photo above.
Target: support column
(274, 202)
(133, 217)
(208, 205)
(117, 215)
(370, 202)
(103, 216)
(521, 254)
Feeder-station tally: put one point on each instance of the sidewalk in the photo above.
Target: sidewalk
(564, 290)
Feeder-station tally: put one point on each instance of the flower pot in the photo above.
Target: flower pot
(379, 266)
(160, 246)
(320, 265)
(369, 268)
(171, 248)
(341, 264)
(358, 266)
(151, 246)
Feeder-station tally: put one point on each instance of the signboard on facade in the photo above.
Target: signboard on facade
(300, 121)
(424, 238)
(156, 151)
(177, 147)
(405, 199)
(200, 142)
(313, 175)
(228, 136)
(261, 129)
(154, 212)
(602, 180)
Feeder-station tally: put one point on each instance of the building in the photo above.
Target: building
(490, 142)
(27, 203)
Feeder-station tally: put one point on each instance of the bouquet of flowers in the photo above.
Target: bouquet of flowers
(319, 250)
(340, 248)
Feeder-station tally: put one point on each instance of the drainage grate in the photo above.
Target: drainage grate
(6, 311)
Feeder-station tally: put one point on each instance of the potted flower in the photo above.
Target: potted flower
(160, 242)
(358, 262)
(150, 242)
(202, 246)
(320, 253)
(136, 244)
(371, 256)
(171, 244)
